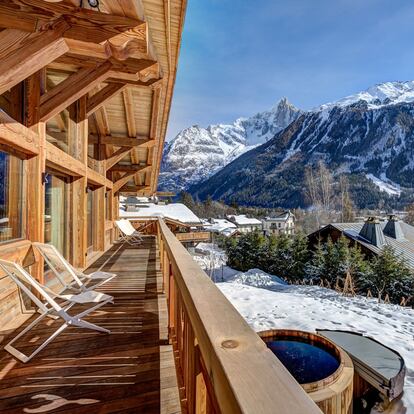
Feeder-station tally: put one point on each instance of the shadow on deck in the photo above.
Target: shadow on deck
(130, 370)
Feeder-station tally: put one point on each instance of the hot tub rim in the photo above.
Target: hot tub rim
(339, 353)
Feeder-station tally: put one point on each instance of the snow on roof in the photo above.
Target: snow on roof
(221, 225)
(174, 211)
(404, 247)
(281, 217)
(242, 220)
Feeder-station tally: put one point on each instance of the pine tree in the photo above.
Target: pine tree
(299, 256)
(390, 274)
(315, 268)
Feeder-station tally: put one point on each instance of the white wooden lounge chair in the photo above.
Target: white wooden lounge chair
(79, 282)
(128, 233)
(136, 233)
(51, 307)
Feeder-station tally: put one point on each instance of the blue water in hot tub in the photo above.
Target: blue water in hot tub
(305, 361)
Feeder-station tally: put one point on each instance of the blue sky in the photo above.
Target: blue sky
(239, 57)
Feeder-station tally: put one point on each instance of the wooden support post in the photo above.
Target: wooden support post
(79, 222)
(77, 129)
(99, 211)
(78, 145)
(35, 166)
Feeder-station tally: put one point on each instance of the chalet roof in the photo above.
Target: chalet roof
(174, 211)
(221, 226)
(126, 70)
(403, 247)
(243, 220)
(281, 217)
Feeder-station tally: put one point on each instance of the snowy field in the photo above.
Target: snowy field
(266, 303)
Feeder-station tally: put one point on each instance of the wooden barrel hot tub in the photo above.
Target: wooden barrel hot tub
(324, 370)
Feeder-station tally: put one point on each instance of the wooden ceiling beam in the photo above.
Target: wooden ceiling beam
(36, 15)
(139, 141)
(129, 168)
(122, 181)
(106, 50)
(100, 98)
(116, 157)
(133, 190)
(71, 89)
(130, 69)
(131, 124)
(155, 111)
(22, 55)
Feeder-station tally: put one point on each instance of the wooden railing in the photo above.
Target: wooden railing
(223, 364)
(194, 236)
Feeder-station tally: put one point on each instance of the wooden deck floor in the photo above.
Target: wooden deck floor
(130, 370)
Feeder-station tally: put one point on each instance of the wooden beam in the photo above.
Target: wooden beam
(132, 190)
(116, 157)
(139, 141)
(125, 69)
(71, 89)
(22, 55)
(63, 162)
(15, 135)
(100, 98)
(131, 125)
(97, 179)
(122, 181)
(128, 168)
(35, 15)
(107, 49)
(155, 111)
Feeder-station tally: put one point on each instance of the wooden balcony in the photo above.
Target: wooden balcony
(177, 345)
(130, 370)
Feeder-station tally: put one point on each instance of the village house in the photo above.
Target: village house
(281, 224)
(245, 224)
(372, 236)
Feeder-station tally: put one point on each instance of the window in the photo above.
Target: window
(11, 197)
(56, 217)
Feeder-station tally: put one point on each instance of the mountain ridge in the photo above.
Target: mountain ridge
(369, 135)
(196, 153)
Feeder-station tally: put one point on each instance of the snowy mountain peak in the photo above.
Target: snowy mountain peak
(196, 152)
(376, 96)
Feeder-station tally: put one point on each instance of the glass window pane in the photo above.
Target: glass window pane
(11, 197)
(55, 213)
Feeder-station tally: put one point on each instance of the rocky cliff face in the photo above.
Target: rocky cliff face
(196, 153)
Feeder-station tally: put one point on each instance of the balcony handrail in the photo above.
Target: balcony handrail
(241, 374)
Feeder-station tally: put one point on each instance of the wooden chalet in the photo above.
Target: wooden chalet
(85, 95)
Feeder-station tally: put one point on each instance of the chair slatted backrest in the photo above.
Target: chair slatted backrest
(22, 279)
(128, 225)
(61, 268)
(124, 228)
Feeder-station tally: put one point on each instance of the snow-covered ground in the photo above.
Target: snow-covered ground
(266, 303)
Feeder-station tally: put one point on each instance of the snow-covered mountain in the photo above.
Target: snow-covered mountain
(196, 153)
(383, 94)
(369, 134)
